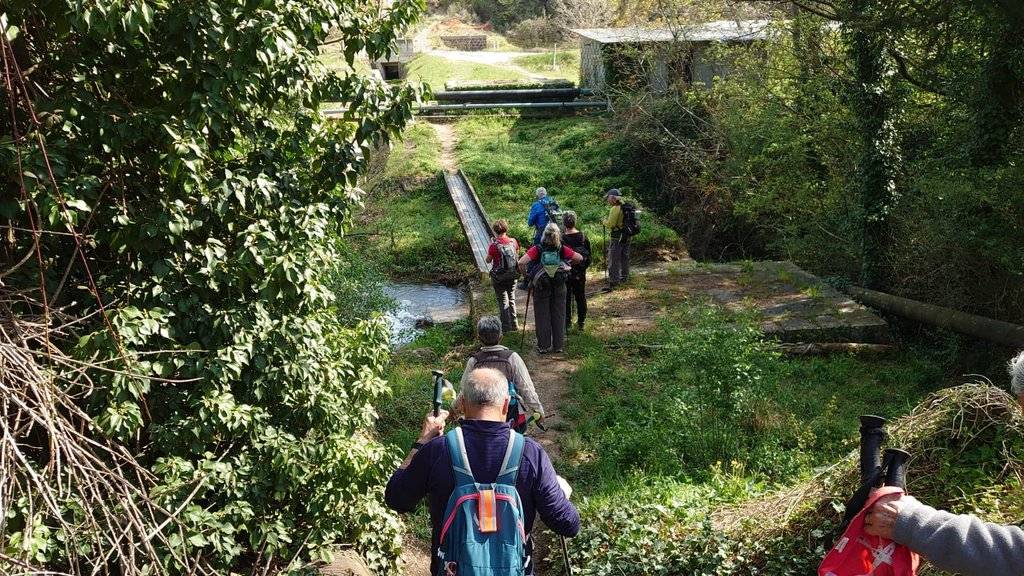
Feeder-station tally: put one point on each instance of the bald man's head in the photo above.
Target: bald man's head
(485, 387)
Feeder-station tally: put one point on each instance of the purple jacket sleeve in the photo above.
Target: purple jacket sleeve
(407, 487)
(554, 508)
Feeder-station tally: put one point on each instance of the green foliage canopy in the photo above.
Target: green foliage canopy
(187, 198)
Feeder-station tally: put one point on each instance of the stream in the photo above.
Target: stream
(420, 305)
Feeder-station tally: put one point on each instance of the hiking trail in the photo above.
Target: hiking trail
(446, 135)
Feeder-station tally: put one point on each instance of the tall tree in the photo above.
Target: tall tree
(875, 104)
(182, 199)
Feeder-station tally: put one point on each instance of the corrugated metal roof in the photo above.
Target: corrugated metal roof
(717, 31)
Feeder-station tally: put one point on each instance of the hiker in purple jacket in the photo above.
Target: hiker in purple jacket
(427, 471)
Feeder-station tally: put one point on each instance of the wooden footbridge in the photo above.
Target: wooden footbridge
(472, 216)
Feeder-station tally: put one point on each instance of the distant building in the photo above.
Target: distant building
(393, 65)
(624, 58)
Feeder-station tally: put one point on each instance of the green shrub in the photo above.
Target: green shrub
(536, 32)
(188, 198)
(717, 395)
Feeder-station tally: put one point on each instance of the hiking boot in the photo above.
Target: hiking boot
(607, 289)
(559, 351)
(543, 351)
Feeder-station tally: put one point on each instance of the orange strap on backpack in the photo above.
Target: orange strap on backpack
(486, 512)
(859, 554)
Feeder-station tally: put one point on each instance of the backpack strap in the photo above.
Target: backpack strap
(513, 457)
(460, 460)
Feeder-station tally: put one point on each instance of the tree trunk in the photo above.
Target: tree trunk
(998, 99)
(875, 106)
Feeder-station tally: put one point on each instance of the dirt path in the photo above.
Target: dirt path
(446, 134)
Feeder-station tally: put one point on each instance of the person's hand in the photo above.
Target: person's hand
(433, 426)
(881, 518)
(564, 485)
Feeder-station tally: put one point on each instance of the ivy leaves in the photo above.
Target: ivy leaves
(210, 196)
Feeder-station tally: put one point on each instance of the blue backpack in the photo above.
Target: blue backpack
(483, 532)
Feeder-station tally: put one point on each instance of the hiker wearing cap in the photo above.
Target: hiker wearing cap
(552, 260)
(961, 544)
(618, 250)
(503, 256)
(482, 451)
(523, 396)
(576, 283)
(538, 218)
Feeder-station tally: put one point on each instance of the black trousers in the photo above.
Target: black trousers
(576, 289)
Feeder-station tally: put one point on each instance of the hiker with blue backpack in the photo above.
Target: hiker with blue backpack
(552, 262)
(544, 210)
(485, 485)
(503, 256)
(524, 404)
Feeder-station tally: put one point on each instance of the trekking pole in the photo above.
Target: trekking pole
(526, 319)
(565, 556)
(438, 391)
(872, 435)
(896, 468)
(604, 234)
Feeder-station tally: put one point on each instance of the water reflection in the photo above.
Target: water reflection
(419, 304)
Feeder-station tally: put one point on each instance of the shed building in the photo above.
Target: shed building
(624, 58)
(393, 65)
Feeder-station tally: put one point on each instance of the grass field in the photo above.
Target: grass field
(435, 70)
(560, 64)
(575, 158)
(416, 233)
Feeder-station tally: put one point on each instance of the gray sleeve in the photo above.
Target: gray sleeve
(962, 544)
(524, 384)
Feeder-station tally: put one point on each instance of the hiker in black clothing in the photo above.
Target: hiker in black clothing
(548, 284)
(503, 256)
(576, 283)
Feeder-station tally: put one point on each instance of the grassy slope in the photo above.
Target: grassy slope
(567, 64)
(575, 158)
(332, 56)
(408, 200)
(435, 70)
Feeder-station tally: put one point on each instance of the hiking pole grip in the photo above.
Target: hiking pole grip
(872, 435)
(896, 467)
(438, 391)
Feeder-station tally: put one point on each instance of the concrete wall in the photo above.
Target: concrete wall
(469, 43)
(705, 67)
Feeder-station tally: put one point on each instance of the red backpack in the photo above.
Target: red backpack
(859, 554)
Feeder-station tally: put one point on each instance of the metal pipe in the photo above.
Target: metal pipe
(509, 105)
(970, 324)
(511, 95)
